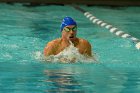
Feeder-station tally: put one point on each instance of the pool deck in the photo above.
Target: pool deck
(87, 2)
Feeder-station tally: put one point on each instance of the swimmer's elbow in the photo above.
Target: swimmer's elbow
(47, 51)
(90, 55)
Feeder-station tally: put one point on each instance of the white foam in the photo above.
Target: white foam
(69, 55)
(38, 55)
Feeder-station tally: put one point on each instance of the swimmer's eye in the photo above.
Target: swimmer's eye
(74, 28)
(69, 29)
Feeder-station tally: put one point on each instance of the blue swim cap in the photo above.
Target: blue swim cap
(66, 22)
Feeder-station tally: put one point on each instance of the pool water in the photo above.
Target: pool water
(24, 32)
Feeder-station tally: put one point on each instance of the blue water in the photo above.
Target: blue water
(24, 32)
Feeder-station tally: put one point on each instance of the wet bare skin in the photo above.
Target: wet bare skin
(56, 46)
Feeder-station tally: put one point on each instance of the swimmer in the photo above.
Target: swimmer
(69, 31)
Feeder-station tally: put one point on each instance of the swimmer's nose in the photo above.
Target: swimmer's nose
(71, 33)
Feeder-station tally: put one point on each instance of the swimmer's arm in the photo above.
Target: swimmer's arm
(88, 53)
(88, 50)
(49, 49)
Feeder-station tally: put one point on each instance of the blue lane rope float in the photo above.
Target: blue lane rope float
(112, 29)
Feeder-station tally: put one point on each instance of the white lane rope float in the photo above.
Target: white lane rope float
(112, 29)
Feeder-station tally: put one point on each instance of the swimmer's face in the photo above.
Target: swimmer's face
(69, 32)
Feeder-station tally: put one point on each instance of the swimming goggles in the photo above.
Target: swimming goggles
(67, 29)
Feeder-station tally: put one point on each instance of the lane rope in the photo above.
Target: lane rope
(111, 28)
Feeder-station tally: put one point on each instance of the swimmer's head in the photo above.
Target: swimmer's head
(66, 22)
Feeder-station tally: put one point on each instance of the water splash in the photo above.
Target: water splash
(38, 55)
(69, 55)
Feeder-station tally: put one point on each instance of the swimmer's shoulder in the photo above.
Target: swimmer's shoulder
(83, 41)
(54, 42)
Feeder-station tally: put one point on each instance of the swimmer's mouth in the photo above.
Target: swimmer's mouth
(71, 37)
